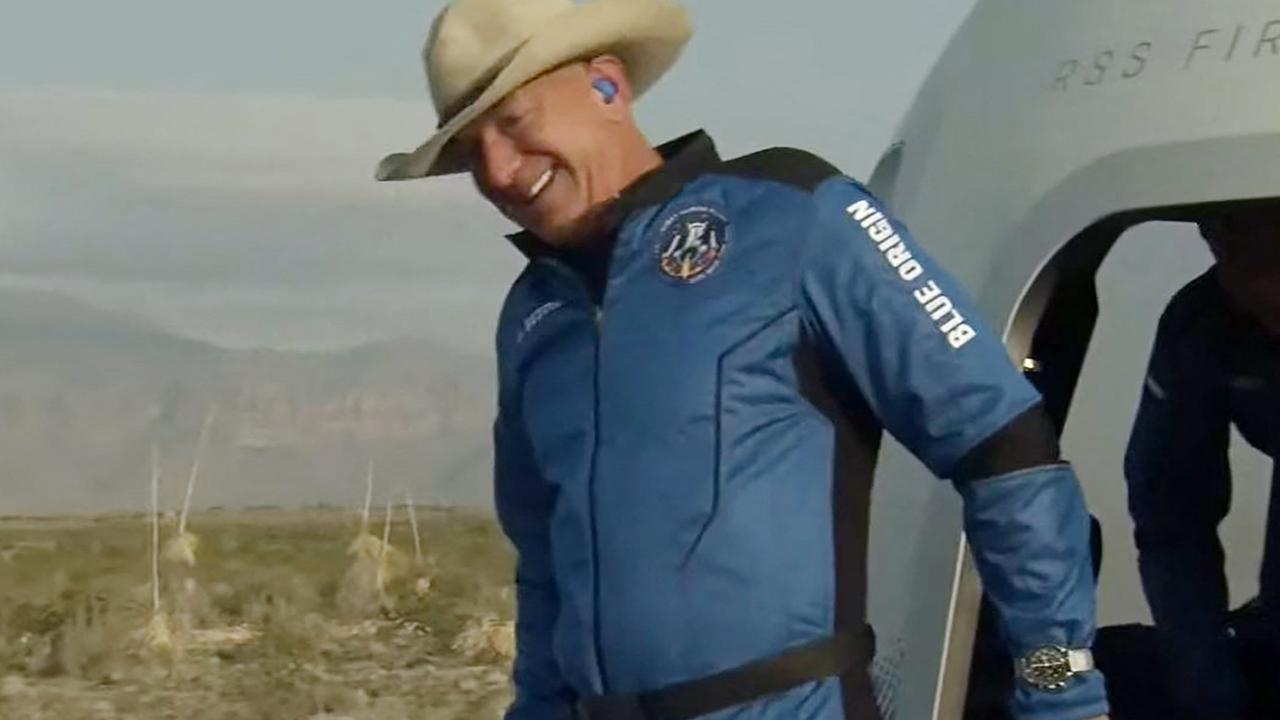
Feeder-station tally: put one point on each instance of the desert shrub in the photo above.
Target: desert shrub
(289, 633)
(256, 588)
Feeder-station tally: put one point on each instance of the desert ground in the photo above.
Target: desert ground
(258, 614)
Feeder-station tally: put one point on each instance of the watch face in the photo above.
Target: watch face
(1047, 668)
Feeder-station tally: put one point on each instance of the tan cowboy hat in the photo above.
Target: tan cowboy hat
(478, 51)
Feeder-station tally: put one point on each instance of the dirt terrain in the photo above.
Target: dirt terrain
(264, 614)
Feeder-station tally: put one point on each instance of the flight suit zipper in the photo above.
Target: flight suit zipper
(597, 314)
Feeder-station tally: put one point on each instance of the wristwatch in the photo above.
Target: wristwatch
(1049, 668)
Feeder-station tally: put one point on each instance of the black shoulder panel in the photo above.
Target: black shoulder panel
(1201, 296)
(786, 165)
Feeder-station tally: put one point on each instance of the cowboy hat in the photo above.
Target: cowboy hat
(478, 51)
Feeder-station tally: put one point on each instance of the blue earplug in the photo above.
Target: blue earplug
(606, 88)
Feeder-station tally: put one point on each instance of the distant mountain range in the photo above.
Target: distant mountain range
(84, 393)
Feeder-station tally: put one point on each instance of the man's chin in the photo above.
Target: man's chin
(563, 235)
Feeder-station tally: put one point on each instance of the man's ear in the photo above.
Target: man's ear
(608, 76)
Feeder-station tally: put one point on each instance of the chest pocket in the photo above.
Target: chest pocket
(557, 396)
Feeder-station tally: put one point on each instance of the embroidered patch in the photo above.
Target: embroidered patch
(1246, 382)
(693, 242)
(535, 317)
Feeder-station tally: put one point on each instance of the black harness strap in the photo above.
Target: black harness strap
(829, 657)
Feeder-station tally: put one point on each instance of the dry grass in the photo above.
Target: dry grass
(487, 640)
(75, 604)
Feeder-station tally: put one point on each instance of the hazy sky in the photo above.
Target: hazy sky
(210, 165)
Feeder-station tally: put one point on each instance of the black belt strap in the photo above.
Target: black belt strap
(830, 657)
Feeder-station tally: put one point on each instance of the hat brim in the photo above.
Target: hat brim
(647, 36)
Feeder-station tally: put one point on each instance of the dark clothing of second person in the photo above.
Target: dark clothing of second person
(1211, 367)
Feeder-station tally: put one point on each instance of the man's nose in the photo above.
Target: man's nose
(499, 163)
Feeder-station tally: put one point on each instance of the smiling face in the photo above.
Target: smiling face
(553, 151)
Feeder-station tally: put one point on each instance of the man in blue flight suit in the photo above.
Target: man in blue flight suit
(1215, 362)
(695, 369)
